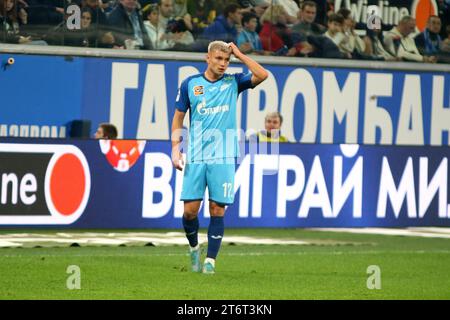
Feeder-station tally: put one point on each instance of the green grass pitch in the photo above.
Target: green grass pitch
(411, 268)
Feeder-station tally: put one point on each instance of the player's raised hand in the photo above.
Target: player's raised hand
(235, 50)
(177, 159)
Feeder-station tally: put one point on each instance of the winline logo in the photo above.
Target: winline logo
(42, 184)
(389, 12)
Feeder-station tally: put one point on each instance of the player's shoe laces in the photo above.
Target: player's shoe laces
(195, 259)
(208, 268)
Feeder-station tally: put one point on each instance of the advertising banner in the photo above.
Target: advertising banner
(318, 104)
(390, 11)
(132, 184)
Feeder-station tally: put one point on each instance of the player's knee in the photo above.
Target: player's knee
(191, 209)
(190, 215)
(216, 210)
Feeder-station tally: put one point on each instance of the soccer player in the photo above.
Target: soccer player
(211, 100)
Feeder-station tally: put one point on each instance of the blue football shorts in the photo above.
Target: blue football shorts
(217, 175)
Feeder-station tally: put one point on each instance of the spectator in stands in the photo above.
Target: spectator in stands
(258, 10)
(220, 5)
(99, 19)
(323, 47)
(429, 41)
(248, 40)
(155, 30)
(178, 35)
(374, 45)
(9, 22)
(106, 131)
(446, 42)
(175, 36)
(400, 44)
(275, 35)
(352, 43)
(107, 5)
(272, 131)
(202, 13)
(224, 27)
(84, 37)
(306, 16)
(104, 38)
(335, 33)
(180, 12)
(291, 9)
(166, 12)
(128, 27)
(444, 14)
(180, 8)
(22, 14)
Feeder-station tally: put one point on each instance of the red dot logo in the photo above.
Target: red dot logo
(422, 10)
(67, 184)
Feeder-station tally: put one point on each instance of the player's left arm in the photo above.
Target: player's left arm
(259, 74)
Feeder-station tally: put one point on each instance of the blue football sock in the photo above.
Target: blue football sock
(191, 229)
(215, 234)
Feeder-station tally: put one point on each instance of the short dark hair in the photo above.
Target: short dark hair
(87, 9)
(334, 17)
(109, 130)
(152, 7)
(308, 4)
(274, 114)
(433, 16)
(246, 17)
(344, 12)
(231, 8)
(406, 19)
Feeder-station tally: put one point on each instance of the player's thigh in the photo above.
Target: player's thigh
(220, 180)
(194, 182)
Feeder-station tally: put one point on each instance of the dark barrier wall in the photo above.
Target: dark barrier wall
(132, 184)
(40, 95)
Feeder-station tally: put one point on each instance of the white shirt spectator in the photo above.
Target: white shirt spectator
(353, 42)
(156, 35)
(338, 39)
(406, 49)
(291, 8)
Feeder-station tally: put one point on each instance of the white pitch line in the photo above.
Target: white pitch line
(243, 254)
(411, 232)
(170, 238)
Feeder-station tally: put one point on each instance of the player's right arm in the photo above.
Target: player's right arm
(182, 105)
(177, 129)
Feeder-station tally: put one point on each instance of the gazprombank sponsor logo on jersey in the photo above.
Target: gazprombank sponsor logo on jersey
(42, 184)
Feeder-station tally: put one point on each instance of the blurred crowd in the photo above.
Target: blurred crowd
(263, 27)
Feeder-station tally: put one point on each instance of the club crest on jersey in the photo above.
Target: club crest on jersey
(198, 90)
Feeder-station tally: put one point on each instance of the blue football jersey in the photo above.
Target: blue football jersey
(212, 114)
